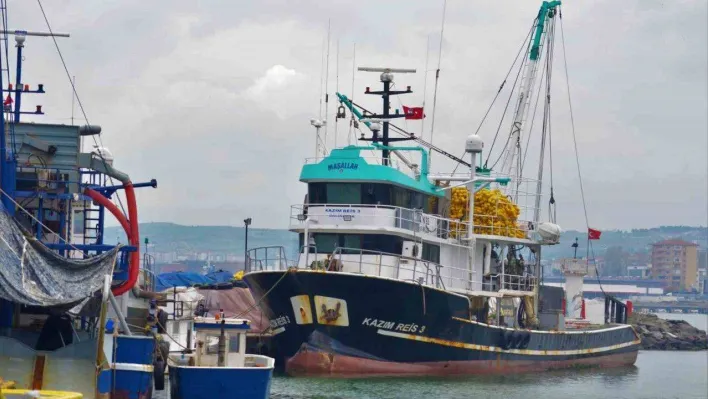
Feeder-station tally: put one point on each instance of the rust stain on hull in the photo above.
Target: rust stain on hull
(317, 363)
(38, 372)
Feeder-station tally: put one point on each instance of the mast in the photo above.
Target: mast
(386, 93)
(511, 158)
(8, 164)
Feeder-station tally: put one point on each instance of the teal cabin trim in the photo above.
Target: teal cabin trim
(346, 164)
(540, 24)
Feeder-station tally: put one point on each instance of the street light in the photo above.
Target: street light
(247, 267)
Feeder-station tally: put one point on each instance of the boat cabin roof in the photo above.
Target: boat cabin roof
(347, 165)
(211, 323)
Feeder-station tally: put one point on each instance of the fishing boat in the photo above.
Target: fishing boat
(77, 314)
(219, 366)
(405, 272)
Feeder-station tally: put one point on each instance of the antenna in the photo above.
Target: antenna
(437, 77)
(318, 124)
(336, 120)
(386, 70)
(386, 93)
(326, 87)
(425, 83)
(7, 166)
(352, 121)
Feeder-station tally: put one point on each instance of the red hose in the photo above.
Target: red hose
(131, 230)
(105, 202)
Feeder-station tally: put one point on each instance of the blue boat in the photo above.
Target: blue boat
(219, 366)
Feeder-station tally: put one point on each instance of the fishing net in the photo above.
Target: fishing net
(34, 275)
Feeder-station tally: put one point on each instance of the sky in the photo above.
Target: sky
(214, 99)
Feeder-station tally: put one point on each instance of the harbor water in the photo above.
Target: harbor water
(657, 374)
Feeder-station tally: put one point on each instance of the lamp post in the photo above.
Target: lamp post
(247, 266)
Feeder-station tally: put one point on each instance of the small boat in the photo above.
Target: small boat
(220, 367)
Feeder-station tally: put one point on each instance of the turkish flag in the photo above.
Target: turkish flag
(593, 234)
(413, 112)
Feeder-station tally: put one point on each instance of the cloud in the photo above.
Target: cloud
(213, 99)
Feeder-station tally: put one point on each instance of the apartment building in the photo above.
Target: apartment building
(676, 263)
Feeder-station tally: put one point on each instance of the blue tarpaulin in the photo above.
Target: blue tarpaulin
(187, 279)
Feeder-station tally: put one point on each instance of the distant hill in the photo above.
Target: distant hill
(170, 237)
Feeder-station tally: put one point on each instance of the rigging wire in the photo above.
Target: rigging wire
(501, 86)
(533, 118)
(11, 115)
(322, 63)
(501, 122)
(352, 121)
(425, 83)
(589, 250)
(326, 110)
(546, 129)
(437, 78)
(78, 100)
(336, 119)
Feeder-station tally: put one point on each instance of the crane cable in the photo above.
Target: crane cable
(590, 250)
(501, 86)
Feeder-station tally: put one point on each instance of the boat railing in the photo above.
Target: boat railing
(272, 257)
(429, 273)
(388, 216)
(515, 282)
(414, 269)
(389, 265)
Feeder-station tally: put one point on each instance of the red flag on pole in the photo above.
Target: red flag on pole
(413, 112)
(593, 234)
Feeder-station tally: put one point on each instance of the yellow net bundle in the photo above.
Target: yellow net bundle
(494, 213)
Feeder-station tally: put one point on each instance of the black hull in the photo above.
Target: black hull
(391, 327)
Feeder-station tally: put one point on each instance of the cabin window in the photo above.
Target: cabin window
(418, 201)
(316, 193)
(431, 253)
(401, 197)
(328, 242)
(367, 194)
(234, 341)
(375, 194)
(351, 240)
(343, 193)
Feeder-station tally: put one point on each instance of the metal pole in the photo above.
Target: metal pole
(247, 266)
(386, 105)
(20, 40)
(221, 360)
(306, 241)
(121, 319)
(30, 33)
(470, 224)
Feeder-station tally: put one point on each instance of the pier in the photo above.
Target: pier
(700, 307)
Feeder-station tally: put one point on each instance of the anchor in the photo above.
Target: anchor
(331, 315)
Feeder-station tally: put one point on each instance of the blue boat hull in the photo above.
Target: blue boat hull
(390, 327)
(219, 383)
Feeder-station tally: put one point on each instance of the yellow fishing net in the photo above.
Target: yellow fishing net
(494, 213)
